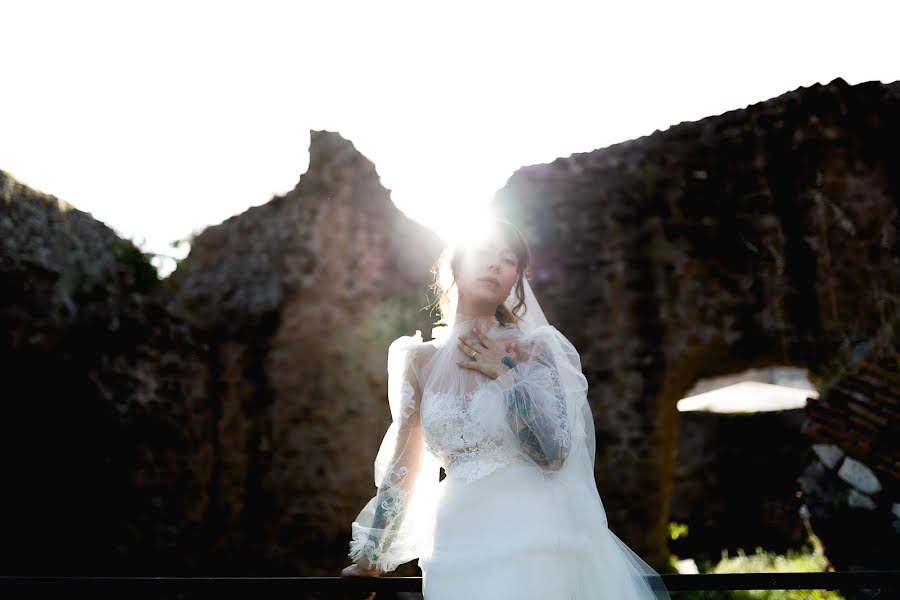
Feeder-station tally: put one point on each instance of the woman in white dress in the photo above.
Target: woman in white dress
(498, 399)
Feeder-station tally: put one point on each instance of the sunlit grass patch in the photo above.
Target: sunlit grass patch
(808, 559)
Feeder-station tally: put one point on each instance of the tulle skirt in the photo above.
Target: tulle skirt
(519, 535)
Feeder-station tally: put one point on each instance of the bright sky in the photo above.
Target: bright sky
(162, 117)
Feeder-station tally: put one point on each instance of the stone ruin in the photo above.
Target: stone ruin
(204, 424)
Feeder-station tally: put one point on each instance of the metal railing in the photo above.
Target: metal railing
(271, 588)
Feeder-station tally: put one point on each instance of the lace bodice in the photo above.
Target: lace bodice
(469, 436)
(472, 424)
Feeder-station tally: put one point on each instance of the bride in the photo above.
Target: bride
(498, 400)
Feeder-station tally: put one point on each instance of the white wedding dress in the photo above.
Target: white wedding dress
(518, 514)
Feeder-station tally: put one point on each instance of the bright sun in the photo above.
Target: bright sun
(466, 226)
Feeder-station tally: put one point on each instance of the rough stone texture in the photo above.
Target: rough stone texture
(859, 476)
(849, 506)
(301, 297)
(764, 235)
(829, 454)
(224, 421)
(856, 499)
(861, 414)
(103, 442)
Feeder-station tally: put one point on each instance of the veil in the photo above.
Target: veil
(407, 475)
(576, 486)
(533, 316)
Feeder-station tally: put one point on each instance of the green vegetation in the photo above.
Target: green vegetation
(808, 559)
(136, 261)
(677, 530)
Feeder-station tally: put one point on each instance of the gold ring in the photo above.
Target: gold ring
(474, 352)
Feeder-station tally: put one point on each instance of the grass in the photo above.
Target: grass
(808, 559)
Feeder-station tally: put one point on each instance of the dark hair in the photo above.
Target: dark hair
(446, 269)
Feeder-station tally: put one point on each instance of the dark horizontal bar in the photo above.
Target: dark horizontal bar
(293, 585)
(783, 581)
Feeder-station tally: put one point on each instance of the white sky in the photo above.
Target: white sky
(162, 117)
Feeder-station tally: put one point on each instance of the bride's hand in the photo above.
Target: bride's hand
(357, 570)
(487, 354)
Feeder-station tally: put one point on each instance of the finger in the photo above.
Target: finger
(467, 345)
(481, 338)
(470, 359)
(488, 342)
(472, 342)
(472, 366)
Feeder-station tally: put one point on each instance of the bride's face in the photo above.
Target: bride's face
(488, 271)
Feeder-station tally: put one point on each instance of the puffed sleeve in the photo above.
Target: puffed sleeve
(392, 528)
(544, 397)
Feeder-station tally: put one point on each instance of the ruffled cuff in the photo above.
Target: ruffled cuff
(362, 544)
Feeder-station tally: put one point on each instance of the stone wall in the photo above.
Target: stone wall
(224, 420)
(104, 440)
(851, 485)
(299, 299)
(762, 236)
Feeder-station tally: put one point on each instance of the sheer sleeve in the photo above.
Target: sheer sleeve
(391, 528)
(541, 398)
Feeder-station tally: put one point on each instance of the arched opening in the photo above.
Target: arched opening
(740, 451)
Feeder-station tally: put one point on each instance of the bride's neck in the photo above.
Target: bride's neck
(471, 310)
(461, 314)
(469, 315)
